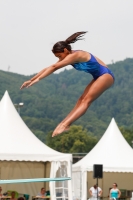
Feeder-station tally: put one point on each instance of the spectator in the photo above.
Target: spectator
(115, 192)
(1, 195)
(42, 193)
(13, 194)
(94, 190)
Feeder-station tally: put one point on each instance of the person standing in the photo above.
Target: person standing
(115, 192)
(94, 191)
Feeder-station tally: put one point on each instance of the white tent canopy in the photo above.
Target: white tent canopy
(20, 145)
(111, 147)
(112, 151)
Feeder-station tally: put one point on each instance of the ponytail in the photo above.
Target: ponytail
(61, 45)
(75, 37)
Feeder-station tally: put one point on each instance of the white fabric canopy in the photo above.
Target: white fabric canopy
(109, 151)
(22, 154)
(112, 151)
(21, 143)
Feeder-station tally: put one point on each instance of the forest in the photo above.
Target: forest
(49, 101)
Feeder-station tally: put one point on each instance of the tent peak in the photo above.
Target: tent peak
(21, 143)
(6, 92)
(111, 147)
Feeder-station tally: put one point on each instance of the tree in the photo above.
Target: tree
(76, 140)
(128, 134)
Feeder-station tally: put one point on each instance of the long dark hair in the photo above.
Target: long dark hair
(61, 45)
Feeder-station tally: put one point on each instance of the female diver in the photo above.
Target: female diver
(103, 78)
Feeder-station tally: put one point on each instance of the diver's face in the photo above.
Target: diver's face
(62, 55)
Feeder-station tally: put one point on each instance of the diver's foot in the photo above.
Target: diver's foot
(60, 129)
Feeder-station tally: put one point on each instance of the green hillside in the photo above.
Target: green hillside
(49, 101)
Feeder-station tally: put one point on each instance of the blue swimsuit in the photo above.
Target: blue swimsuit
(93, 67)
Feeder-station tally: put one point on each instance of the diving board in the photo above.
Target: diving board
(34, 180)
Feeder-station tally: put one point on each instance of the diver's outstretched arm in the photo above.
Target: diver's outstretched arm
(49, 70)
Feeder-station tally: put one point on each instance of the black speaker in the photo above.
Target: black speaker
(97, 171)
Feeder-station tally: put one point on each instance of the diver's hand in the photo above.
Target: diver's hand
(25, 84)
